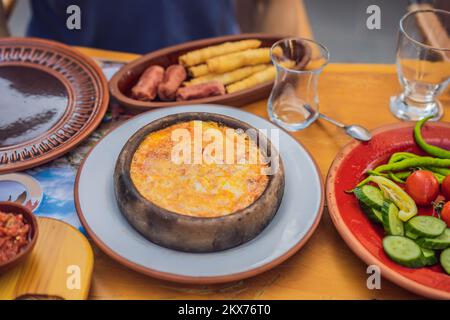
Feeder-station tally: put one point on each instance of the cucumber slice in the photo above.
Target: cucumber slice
(404, 251)
(424, 226)
(429, 257)
(376, 216)
(392, 224)
(438, 243)
(373, 214)
(411, 235)
(370, 196)
(445, 260)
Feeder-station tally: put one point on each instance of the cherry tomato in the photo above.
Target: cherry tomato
(445, 214)
(446, 188)
(423, 187)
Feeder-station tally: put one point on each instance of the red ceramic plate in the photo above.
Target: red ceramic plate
(364, 237)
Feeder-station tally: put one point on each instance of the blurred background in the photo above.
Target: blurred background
(340, 25)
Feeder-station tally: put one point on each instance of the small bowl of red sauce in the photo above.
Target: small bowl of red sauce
(18, 234)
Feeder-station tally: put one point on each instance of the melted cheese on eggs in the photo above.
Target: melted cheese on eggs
(200, 190)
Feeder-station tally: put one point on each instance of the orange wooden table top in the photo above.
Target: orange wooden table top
(324, 268)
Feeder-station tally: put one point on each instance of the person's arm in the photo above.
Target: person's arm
(3, 27)
(283, 17)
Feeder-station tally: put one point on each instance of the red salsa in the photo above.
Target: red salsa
(14, 235)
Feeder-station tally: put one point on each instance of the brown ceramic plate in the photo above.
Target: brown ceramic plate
(15, 208)
(121, 83)
(52, 97)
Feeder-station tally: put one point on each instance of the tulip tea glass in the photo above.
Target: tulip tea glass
(423, 64)
(294, 103)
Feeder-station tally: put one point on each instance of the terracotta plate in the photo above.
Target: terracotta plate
(363, 236)
(293, 224)
(52, 97)
(122, 82)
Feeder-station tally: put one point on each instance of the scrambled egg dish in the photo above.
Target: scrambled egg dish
(200, 189)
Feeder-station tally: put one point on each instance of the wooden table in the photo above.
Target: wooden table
(324, 268)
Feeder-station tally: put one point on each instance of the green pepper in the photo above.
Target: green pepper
(414, 163)
(394, 177)
(439, 177)
(399, 156)
(428, 148)
(398, 177)
(441, 171)
(403, 174)
(374, 173)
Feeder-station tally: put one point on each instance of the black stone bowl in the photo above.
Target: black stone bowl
(196, 234)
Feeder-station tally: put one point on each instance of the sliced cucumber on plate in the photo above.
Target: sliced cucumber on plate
(404, 251)
(373, 214)
(371, 196)
(445, 260)
(410, 240)
(411, 235)
(425, 226)
(438, 243)
(391, 222)
(429, 257)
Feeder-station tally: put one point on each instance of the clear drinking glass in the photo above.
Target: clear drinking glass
(294, 102)
(423, 64)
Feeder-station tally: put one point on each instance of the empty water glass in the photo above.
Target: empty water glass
(294, 101)
(423, 64)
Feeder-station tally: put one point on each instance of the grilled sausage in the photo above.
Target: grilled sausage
(173, 77)
(202, 90)
(147, 86)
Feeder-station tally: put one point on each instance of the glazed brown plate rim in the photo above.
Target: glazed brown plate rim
(56, 144)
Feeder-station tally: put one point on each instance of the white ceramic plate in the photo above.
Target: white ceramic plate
(294, 223)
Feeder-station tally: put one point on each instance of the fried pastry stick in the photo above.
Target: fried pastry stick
(199, 71)
(201, 55)
(228, 77)
(266, 75)
(237, 60)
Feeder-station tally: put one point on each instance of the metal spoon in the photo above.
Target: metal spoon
(355, 131)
